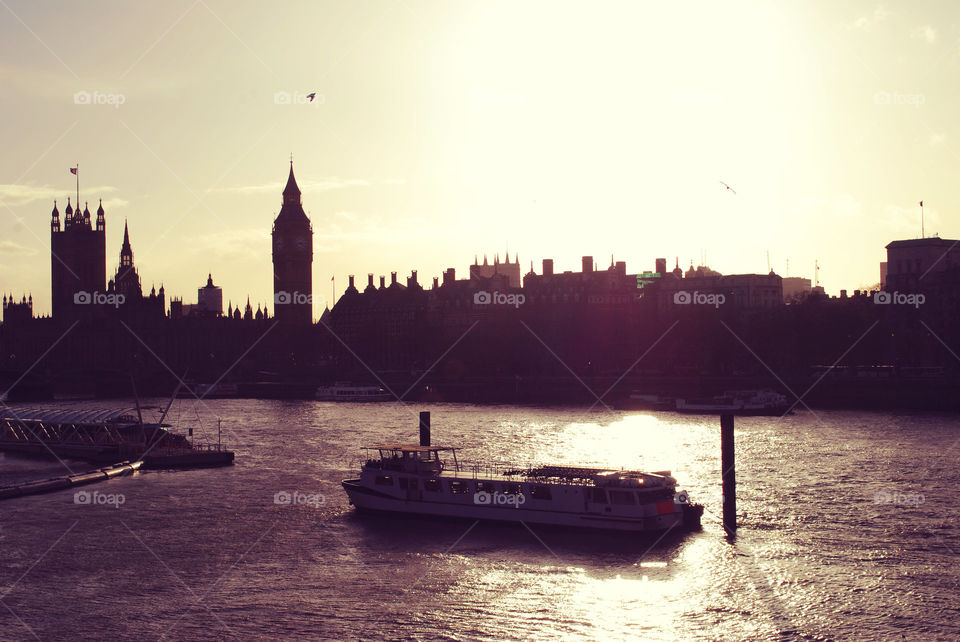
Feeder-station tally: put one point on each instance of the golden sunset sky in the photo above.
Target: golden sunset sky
(443, 130)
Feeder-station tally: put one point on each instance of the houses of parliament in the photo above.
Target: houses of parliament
(80, 290)
(103, 327)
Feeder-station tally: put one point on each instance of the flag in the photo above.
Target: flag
(921, 203)
(73, 170)
(331, 278)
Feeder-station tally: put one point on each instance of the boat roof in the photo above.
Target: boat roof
(409, 447)
(61, 415)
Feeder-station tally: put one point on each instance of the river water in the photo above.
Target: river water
(848, 531)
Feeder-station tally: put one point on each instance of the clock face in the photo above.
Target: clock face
(301, 243)
(278, 242)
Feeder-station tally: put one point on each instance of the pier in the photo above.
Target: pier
(103, 437)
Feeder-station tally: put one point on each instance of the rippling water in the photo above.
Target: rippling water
(849, 531)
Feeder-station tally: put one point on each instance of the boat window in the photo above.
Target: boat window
(623, 497)
(384, 480)
(459, 487)
(540, 492)
(431, 484)
(511, 489)
(486, 487)
(598, 495)
(407, 482)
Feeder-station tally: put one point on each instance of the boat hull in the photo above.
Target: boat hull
(367, 499)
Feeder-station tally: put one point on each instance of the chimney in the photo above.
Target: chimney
(587, 263)
(436, 283)
(621, 268)
(351, 282)
(383, 281)
(661, 267)
(449, 276)
(412, 279)
(393, 278)
(370, 280)
(547, 267)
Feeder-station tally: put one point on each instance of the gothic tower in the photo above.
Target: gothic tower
(127, 280)
(78, 260)
(292, 259)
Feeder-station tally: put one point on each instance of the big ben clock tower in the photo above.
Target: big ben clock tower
(292, 259)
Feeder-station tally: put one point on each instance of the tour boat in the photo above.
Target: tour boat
(747, 402)
(431, 480)
(347, 392)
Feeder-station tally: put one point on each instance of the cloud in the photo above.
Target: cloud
(926, 33)
(10, 248)
(307, 187)
(863, 23)
(14, 195)
(238, 244)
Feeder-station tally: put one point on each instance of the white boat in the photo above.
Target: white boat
(743, 402)
(347, 392)
(430, 480)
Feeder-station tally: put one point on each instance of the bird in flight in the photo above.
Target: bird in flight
(728, 187)
(312, 96)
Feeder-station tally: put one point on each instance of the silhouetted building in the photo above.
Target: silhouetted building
(795, 287)
(292, 259)
(17, 311)
(125, 292)
(78, 260)
(210, 298)
(915, 264)
(508, 269)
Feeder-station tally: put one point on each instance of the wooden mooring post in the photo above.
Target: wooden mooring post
(728, 469)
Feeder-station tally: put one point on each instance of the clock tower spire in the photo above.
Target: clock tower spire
(292, 259)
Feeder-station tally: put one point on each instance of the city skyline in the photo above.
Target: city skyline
(425, 144)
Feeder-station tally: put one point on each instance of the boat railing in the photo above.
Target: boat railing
(567, 475)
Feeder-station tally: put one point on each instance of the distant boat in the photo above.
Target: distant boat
(347, 392)
(217, 390)
(641, 401)
(744, 402)
(210, 391)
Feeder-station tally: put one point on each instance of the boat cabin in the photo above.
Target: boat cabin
(411, 459)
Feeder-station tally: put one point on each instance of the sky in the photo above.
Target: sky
(445, 130)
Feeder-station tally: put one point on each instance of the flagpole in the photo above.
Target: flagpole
(922, 232)
(77, 174)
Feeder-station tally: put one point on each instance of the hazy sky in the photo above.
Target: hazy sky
(442, 130)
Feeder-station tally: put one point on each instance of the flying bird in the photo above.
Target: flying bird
(728, 187)
(312, 96)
